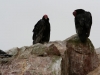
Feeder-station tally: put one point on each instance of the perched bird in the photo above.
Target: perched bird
(4, 54)
(83, 23)
(41, 31)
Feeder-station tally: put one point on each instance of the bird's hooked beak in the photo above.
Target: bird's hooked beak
(74, 13)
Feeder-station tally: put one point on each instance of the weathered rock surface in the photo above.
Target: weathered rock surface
(79, 58)
(98, 50)
(97, 70)
(34, 60)
(68, 57)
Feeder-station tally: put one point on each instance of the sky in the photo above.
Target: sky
(18, 17)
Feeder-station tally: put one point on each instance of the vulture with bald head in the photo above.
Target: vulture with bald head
(41, 31)
(83, 23)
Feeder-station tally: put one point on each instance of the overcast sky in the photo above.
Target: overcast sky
(18, 17)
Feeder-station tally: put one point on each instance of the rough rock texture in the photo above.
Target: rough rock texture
(34, 60)
(97, 70)
(98, 50)
(68, 57)
(79, 58)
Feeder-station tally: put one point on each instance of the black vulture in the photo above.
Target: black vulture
(41, 31)
(4, 54)
(83, 23)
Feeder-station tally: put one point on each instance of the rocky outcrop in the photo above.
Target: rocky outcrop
(79, 58)
(34, 60)
(68, 57)
(97, 70)
(98, 50)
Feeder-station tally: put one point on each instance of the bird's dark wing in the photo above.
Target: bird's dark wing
(83, 24)
(47, 32)
(38, 31)
(37, 26)
(89, 17)
(4, 54)
(88, 22)
(79, 23)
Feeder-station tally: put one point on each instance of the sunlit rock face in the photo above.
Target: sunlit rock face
(68, 57)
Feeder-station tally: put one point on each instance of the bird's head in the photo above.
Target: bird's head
(45, 17)
(78, 11)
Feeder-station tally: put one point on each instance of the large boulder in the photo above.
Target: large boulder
(68, 57)
(37, 59)
(79, 58)
(97, 70)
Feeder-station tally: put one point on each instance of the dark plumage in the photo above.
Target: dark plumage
(83, 23)
(41, 31)
(4, 54)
